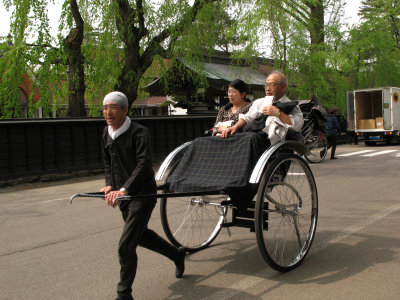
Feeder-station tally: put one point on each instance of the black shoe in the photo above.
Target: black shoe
(127, 297)
(333, 157)
(180, 262)
(322, 153)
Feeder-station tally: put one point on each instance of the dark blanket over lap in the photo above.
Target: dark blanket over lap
(213, 163)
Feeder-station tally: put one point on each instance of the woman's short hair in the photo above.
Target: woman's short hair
(240, 85)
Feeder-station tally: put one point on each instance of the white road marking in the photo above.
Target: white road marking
(251, 281)
(379, 153)
(356, 153)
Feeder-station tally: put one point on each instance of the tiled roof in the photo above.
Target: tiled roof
(150, 101)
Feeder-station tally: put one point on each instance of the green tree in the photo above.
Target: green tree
(122, 40)
(132, 37)
(383, 15)
(373, 52)
(18, 57)
(306, 45)
(33, 52)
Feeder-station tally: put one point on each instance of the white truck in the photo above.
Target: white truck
(374, 114)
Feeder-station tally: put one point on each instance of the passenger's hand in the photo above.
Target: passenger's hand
(106, 189)
(226, 132)
(270, 110)
(220, 129)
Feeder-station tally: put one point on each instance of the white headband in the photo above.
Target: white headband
(117, 98)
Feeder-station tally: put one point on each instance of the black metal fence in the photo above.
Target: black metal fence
(45, 146)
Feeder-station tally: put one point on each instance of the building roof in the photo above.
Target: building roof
(228, 73)
(219, 71)
(150, 101)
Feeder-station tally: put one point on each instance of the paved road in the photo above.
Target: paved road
(53, 250)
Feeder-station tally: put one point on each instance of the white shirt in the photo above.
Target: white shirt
(296, 116)
(121, 130)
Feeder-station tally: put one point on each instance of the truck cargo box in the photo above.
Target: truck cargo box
(368, 106)
(374, 113)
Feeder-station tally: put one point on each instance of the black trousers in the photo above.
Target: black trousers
(332, 140)
(135, 232)
(353, 136)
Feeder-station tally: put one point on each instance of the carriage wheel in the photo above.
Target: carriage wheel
(317, 147)
(192, 222)
(286, 212)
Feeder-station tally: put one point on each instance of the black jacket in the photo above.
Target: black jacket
(127, 161)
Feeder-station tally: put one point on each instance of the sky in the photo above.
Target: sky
(54, 11)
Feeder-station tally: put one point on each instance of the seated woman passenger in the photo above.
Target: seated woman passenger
(228, 115)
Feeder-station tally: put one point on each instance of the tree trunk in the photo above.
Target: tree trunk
(76, 76)
(130, 21)
(316, 28)
(128, 81)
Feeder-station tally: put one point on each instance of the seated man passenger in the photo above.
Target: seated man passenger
(238, 104)
(277, 126)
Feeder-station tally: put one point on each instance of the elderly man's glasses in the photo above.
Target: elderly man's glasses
(271, 84)
(111, 107)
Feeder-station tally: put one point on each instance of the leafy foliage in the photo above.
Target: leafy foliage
(126, 44)
(123, 39)
(35, 60)
(374, 46)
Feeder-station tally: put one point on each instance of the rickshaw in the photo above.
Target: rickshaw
(313, 131)
(283, 213)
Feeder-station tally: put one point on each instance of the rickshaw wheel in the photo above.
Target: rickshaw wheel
(192, 222)
(286, 212)
(317, 147)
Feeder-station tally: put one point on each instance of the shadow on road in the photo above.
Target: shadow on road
(325, 265)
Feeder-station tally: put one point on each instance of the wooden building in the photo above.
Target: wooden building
(208, 97)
